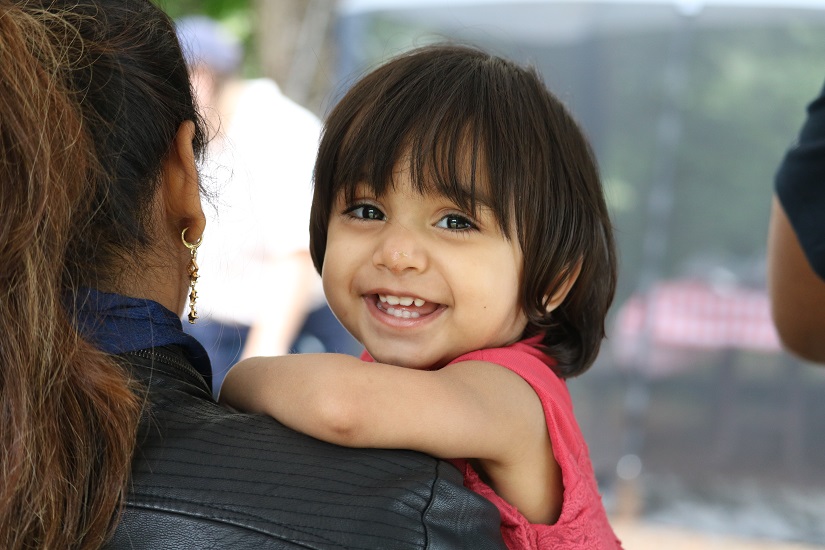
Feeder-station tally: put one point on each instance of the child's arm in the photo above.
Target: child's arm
(471, 409)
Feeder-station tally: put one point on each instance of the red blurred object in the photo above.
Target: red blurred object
(662, 332)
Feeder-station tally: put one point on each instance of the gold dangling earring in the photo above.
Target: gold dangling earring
(193, 274)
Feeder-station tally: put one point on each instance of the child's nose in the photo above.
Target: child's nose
(400, 251)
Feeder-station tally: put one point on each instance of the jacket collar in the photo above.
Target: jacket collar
(120, 324)
(158, 365)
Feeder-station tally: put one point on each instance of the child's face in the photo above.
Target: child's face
(457, 277)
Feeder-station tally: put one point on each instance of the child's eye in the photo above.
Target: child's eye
(455, 222)
(365, 212)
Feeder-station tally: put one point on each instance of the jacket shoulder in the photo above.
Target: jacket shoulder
(206, 473)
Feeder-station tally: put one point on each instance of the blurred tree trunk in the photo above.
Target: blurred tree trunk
(294, 43)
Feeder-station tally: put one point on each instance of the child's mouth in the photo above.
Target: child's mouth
(404, 307)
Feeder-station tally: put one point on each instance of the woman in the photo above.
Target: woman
(110, 435)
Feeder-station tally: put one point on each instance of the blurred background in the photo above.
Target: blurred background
(703, 433)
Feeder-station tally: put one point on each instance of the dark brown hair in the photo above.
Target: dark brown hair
(92, 93)
(446, 103)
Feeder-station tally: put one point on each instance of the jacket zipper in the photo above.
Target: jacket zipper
(172, 361)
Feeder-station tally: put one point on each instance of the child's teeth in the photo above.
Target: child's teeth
(401, 300)
(403, 313)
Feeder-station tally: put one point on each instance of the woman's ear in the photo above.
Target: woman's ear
(570, 276)
(181, 191)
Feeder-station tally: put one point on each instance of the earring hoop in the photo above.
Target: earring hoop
(187, 244)
(193, 273)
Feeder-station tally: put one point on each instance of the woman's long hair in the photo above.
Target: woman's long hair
(88, 110)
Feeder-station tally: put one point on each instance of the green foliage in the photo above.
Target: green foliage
(218, 9)
(235, 16)
(743, 106)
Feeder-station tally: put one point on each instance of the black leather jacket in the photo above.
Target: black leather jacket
(205, 476)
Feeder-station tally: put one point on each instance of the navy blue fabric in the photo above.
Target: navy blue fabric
(118, 324)
(800, 186)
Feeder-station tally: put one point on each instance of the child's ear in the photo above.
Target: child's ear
(570, 275)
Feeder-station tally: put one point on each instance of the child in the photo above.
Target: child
(461, 232)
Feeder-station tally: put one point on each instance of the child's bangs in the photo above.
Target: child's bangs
(444, 157)
(442, 144)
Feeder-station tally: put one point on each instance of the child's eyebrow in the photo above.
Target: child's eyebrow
(358, 186)
(474, 199)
